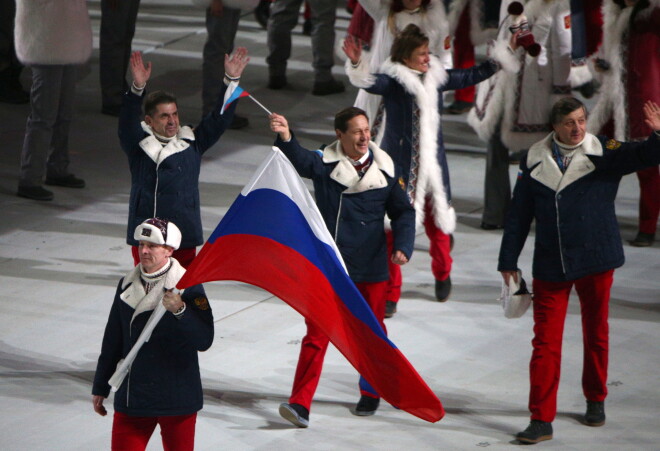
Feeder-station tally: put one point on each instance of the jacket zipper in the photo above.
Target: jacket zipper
(341, 198)
(128, 376)
(561, 253)
(156, 189)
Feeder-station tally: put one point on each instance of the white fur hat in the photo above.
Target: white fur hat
(158, 231)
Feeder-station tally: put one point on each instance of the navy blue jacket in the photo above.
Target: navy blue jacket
(164, 379)
(400, 99)
(354, 209)
(168, 189)
(577, 233)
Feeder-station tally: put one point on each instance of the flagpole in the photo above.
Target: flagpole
(259, 103)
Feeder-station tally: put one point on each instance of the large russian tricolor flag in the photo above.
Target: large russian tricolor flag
(274, 237)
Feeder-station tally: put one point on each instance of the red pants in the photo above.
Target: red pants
(550, 304)
(132, 433)
(464, 54)
(649, 199)
(183, 256)
(315, 343)
(439, 249)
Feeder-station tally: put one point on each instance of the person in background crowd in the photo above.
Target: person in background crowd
(283, 18)
(53, 39)
(471, 23)
(629, 64)
(221, 27)
(118, 18)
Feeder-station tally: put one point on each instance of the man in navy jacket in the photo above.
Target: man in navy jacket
(163, 385)
(355, 185)
(165, 158)
(567, 184)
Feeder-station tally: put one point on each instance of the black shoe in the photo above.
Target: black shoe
(643, 240)
(295, 413)
(111, 110)
(307, 27)
(595, 415)
(34, 193)
(325, 88)
(262, 12)
(366, 406)
(68, 181)
(239, 122)
(442, 289)
(390, 309)
(276, 81)
(537, 431)
(487, 226)
(459, 107)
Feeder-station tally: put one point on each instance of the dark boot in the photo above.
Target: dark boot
(295, 413)
(366, 406)
(643, 240)
(537, 431)
(595, 415)
(390, 309)
(442, 289)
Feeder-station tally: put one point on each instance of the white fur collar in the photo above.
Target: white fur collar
(425, 91)
(155, 149)
(545, 169)
(133, 292)
(434, 78)
(346, 174)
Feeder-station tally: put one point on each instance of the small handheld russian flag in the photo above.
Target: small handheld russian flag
(237, 93)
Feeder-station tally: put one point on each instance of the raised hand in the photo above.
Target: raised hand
(652, 115)
(141, 72)
(236, 62)
(353, 49)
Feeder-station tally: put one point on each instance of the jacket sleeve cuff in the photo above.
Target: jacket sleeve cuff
(359, 75)
(506, 58)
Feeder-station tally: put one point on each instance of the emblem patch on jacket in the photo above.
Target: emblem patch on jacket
(402, 184)
(612, 144)
(567, 21)
(202, 303)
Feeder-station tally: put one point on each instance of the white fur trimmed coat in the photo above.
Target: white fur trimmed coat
(55, 32)
(404, 92)
(519, 104)
(633, 54)
(432, 22)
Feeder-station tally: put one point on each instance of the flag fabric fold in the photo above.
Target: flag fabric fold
(274, 237)
(233, 94)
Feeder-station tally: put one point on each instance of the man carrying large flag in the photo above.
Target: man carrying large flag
(356, 184)
(150, 346)
(274, 237)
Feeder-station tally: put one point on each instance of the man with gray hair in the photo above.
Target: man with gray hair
(567, 184)
(162, 385)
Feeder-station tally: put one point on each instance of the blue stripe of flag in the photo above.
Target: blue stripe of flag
(272, 214)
